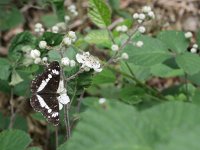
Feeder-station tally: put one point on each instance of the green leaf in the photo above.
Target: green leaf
(99, 13)
(58, 6)
(98, 37)
(116, 126)
(198, 37)
(34, 148)
(152, 52)
(15, 78)
(10, 17)
(14, 140)
(115, 4)
(189, 63)
(49, 20)
(175, 40)
(164, 71)
(5, 69)
(106, 76)
(52, 39)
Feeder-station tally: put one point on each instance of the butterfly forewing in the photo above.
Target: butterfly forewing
(44, 96)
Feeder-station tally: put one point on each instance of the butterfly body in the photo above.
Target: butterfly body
(45, 89)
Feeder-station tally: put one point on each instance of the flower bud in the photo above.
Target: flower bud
(35, 53)
(42, 44)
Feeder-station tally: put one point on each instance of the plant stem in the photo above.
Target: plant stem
(12, 118)
(56, 136)
(79, 101)
(186, 87)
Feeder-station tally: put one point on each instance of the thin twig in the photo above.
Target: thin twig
(12, 118)
(56, 136)
(80, 101)
(74, 75)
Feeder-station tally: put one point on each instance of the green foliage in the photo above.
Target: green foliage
(14, 139)
(148, 129)
(9, 17)
(98, 37)
(52, 39)
(99, 13)
(58, 6)
(106, 76)
(189, 63)
(174, 40)
(5, 69)
(152, 52)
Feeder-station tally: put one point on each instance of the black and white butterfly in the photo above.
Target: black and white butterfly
(48, 93)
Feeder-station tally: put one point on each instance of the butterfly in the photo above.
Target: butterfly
(48, 93)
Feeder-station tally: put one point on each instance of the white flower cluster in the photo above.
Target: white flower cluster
(88, 62)
(115, 47)
(65, 61)
(194, 48)
(69, 38)
(72, 9)
(39, 28)
(42, 44)
(188, 35)
(147, 13)
(139, 43)
(122, 28)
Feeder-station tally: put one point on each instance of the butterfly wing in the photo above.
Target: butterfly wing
(48, 81)
(48, 105)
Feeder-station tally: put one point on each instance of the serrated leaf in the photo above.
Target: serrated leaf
(152, 52)
(175, 40)
(14, 140)
(99, 13)
(189, 63)
(99, 37)
(164, 71)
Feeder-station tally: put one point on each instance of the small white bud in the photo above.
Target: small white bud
(195, 46)
(85, 68)
(75, 13)
(146, 9)
(72, 63)
(188, 35)
(135, 16)
(142, 16)
(65, 61)
(67, 18)
(38, 25)
(124, 56)
(72, 7)
(42, 44)
(193, 50)
(102, 100)
(140, 21)
(118, 28)
(44, 59)
(151, 14)
(115, 47)
(37, 60)
(139, 44)
(67, 41)
(37, 30)
(141, 29)
(72, 34)
(35, 53)
(55, 29)
(124, 28)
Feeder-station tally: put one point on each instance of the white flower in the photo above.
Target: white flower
(115, 47)
(38, 25)
(135, 16)
(35, 53)
(139, 44)
(67, 18)
(188, 35)
(72, 63)
(55, 29)
(89, 61)
(67, 41)
(61, 27)
(151, 14)
(42, 44)
(37, 60)
(141, 29)
(124, 56)
(72, 35)
(124, 28)
(146, 9)
(102, 100)
(65, 61)
(193, 50)
(44, 59)
(142, 16)
(195, 46)
(118, 28)
(72, 8)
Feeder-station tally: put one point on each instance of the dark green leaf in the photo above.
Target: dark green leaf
(5, 69)
(59, 9)
(52, 39)
(106, 76)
